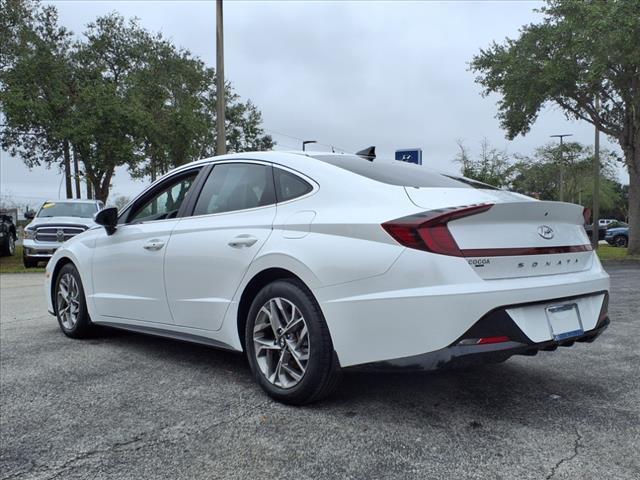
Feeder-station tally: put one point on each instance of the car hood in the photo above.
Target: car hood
(42, 221)
(613, 231)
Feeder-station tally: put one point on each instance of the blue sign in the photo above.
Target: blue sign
(410, 155)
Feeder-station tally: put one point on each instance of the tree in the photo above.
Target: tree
(119, 96)
(120, 201)
(35, 84)
(580, 52)
(108, 119)
(537, 176)
(492, 166)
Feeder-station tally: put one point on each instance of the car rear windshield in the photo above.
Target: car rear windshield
(53, 209)
(400, 173)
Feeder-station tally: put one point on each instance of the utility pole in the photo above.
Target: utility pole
(221, 143)
(561, 136)
(595, 233)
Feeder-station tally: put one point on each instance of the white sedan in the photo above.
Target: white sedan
(313, 263)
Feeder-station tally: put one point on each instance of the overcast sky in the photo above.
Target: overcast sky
(350, 74)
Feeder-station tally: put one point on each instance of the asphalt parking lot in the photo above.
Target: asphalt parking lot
(127, 406)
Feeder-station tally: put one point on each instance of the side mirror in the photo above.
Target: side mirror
(108, 218)
(29, 214)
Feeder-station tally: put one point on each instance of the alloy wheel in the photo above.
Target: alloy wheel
(281, 342)
(12, 245)
(68, 301)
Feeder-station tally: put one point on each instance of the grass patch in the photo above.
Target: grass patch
(607, 253)
(14, 264)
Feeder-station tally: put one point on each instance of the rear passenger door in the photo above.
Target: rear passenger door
(211, 250)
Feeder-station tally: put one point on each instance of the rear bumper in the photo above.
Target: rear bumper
(424, 302)
(497, 322)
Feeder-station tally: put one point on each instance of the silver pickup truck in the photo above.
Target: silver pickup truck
(55, 222)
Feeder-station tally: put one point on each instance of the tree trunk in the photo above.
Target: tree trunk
(101, 186)
(76, 173)
(89, 192)
(634, 199)
(67, 167)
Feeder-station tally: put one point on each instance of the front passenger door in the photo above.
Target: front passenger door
(211, 250)
(128, 266)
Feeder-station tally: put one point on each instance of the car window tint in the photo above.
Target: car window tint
(289, 186)
(400, 173)
(166, 203)
(236, 186)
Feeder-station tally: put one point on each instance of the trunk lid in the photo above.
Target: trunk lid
(518, 236)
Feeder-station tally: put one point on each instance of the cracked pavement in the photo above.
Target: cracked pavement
(128, 406)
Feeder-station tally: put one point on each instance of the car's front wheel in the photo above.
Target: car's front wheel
(70, 303)
(288, 344)
(29, 262)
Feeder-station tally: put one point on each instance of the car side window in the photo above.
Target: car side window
(165, 203)
(289, 186)
(236, 186)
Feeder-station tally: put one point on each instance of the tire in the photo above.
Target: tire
(620, 241)
(29, 262)
(300, 380)
(9, 246)
(71, 309)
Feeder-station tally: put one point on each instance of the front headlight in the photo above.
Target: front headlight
(29, 234)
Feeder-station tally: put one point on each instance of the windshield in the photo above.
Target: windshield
(400, 173)
(52, 209)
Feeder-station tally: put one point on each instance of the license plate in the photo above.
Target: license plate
(564, 321)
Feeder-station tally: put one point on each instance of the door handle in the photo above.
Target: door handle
(242, 241)
(153, 245)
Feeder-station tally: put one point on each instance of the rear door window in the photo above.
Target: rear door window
(236, 186)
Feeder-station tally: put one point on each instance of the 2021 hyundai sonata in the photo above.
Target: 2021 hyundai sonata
(313, 263)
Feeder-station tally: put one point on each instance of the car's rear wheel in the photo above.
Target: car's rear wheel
(70, 304)
(288, 344)
(620, 241)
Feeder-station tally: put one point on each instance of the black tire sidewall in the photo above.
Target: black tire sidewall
(320, 351)
(620, 241)
(83, 324)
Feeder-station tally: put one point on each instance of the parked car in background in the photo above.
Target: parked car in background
(618, 237)
(54, 223)
(617, 224)
(7, 236)
(602, 231)
(605, 222)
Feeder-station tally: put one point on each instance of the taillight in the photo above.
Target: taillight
(429, 231)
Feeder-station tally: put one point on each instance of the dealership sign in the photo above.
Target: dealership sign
(410, 155)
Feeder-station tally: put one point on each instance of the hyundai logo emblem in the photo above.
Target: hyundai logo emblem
(545, 231)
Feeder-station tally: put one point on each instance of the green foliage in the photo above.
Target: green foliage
(492, 166)
(582, 52)
(538, 175)
(120, 96)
